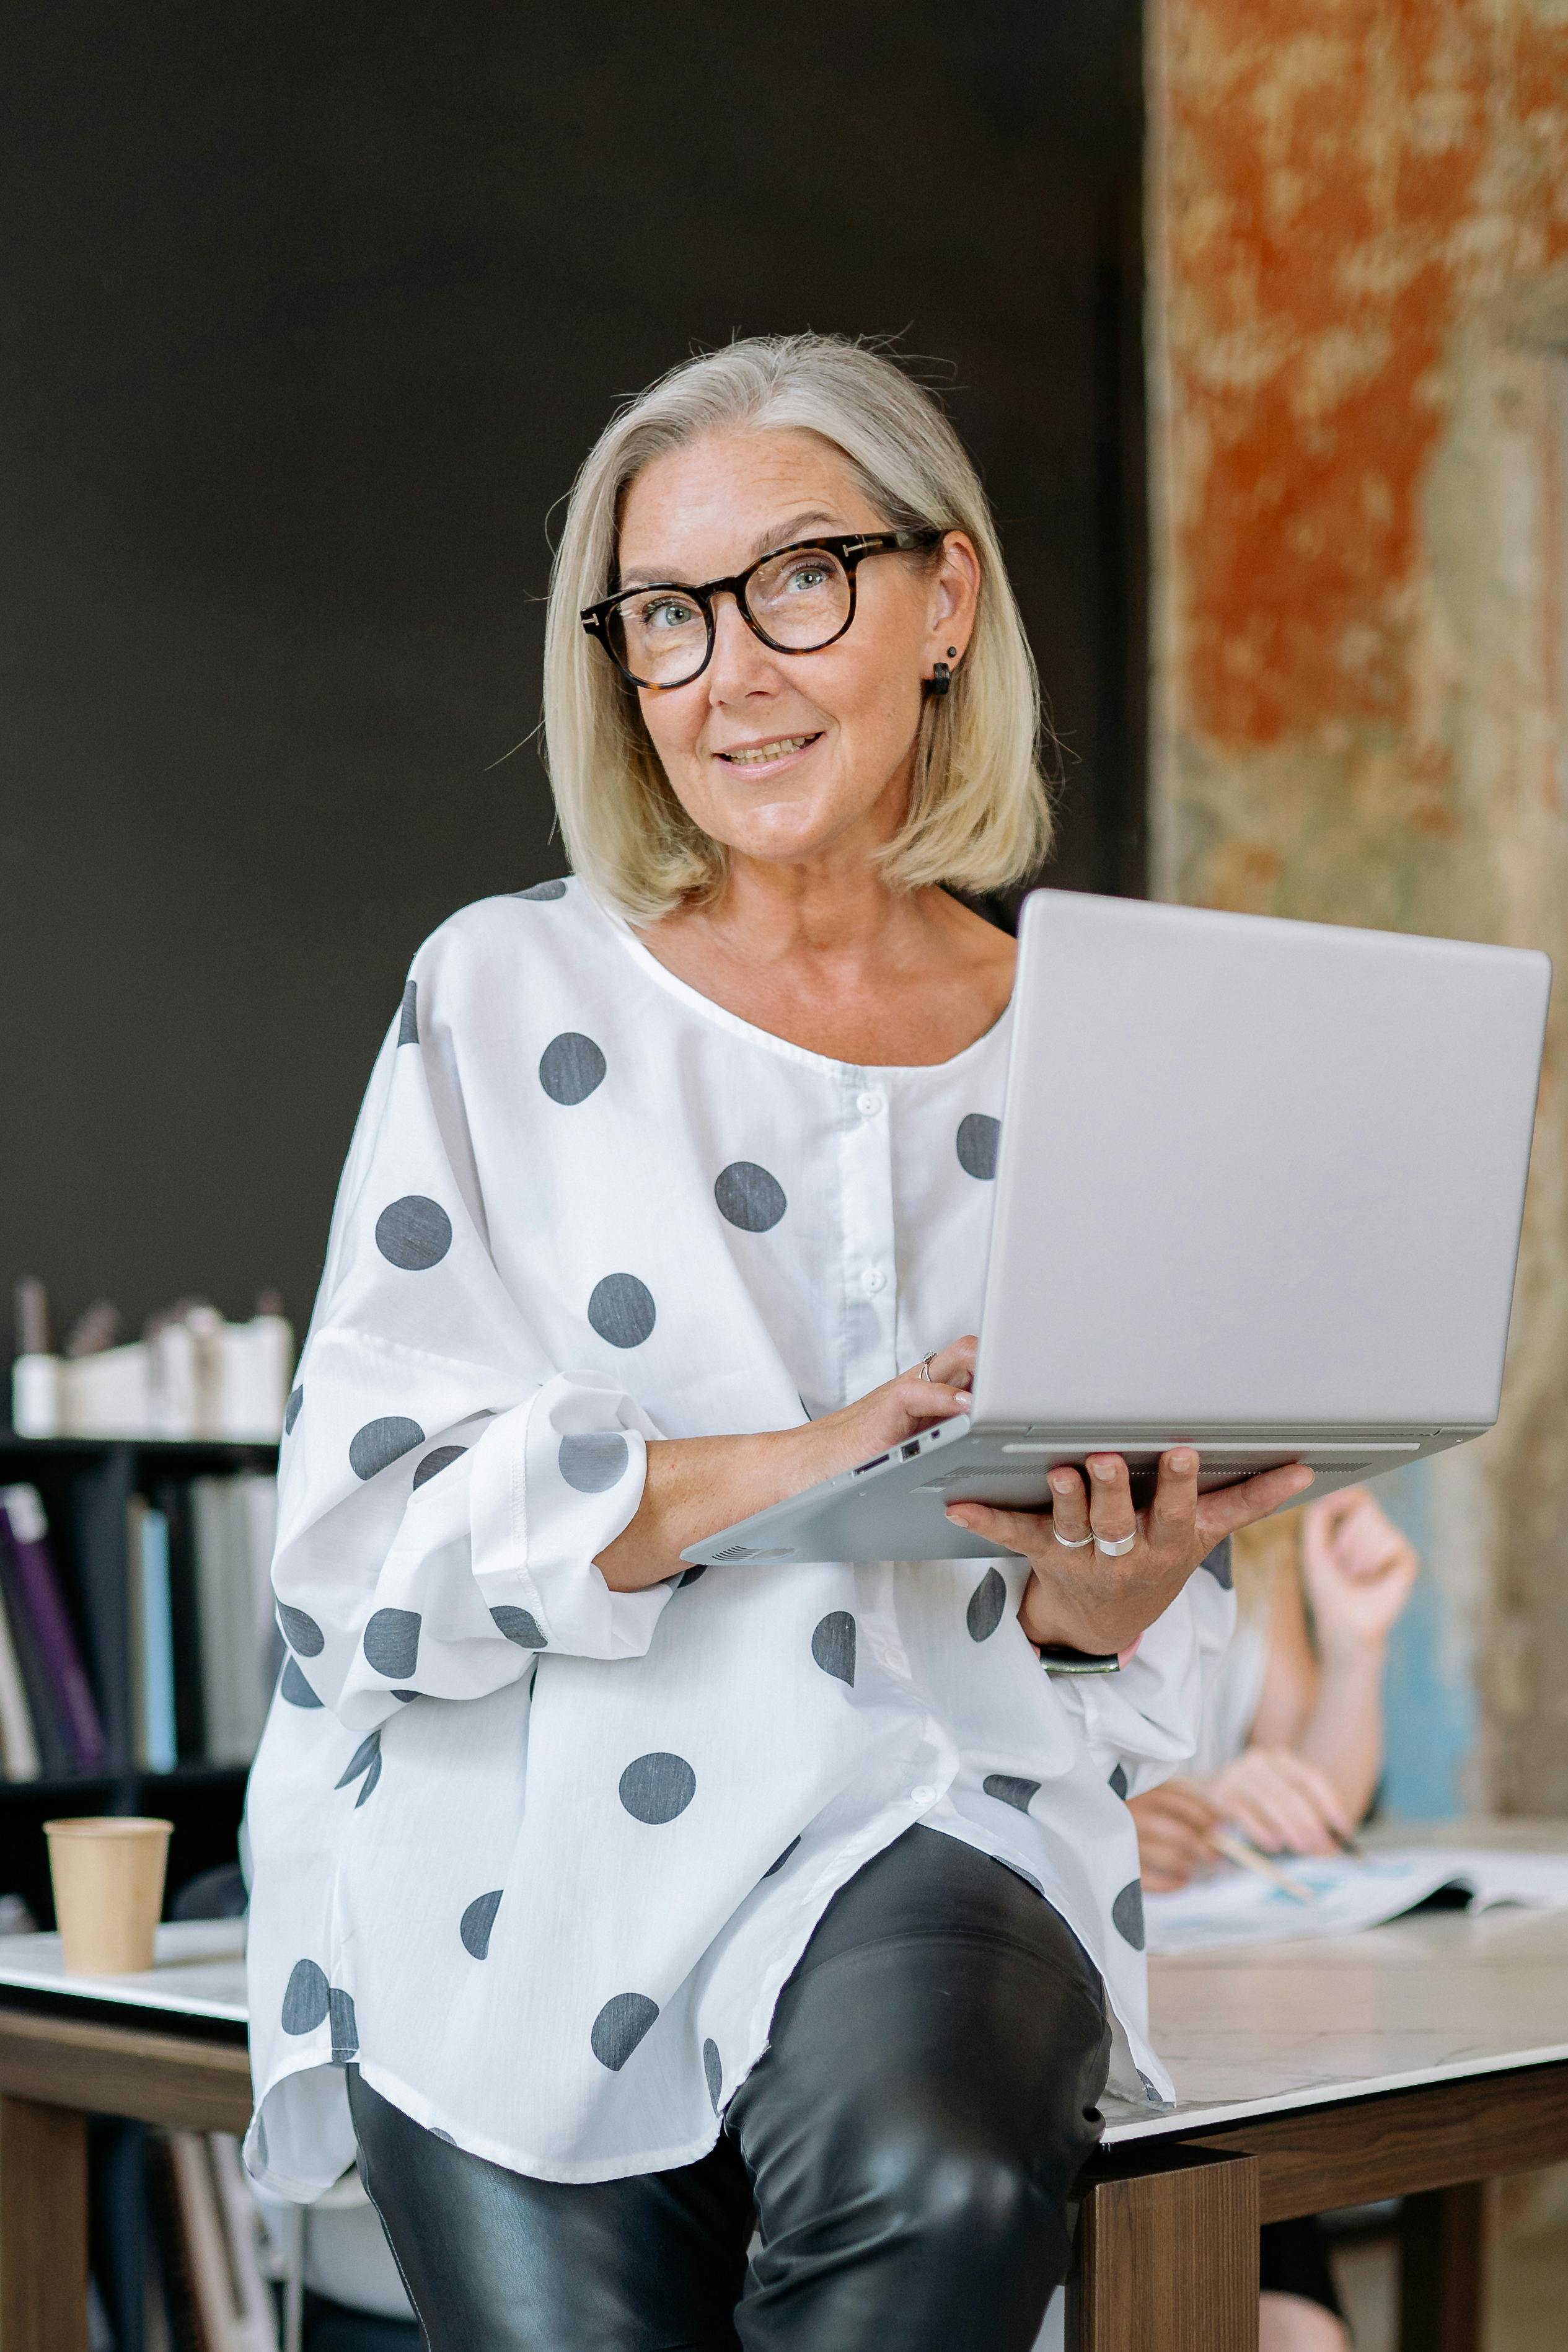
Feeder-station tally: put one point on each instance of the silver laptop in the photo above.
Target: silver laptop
(1259, 1192)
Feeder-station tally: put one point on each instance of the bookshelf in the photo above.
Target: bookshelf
(87, 1485)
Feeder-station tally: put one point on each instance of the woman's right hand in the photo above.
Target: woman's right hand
(899, 1409)
(697, 1484)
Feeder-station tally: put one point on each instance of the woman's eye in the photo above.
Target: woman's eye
(670, 613)
(805, 577)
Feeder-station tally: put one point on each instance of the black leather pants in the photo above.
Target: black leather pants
(908, 2144)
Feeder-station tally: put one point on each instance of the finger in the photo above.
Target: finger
(1229, 1507)
(1025, 1532)
(1189, 1805)
(1110, 1509)
(1317, 1790)
(1164, 1866)
(1291, 1820)
(955, 1364)
(1174, 1510)
(1069, 1504)
(924, 1402)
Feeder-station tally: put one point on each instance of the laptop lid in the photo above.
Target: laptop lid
(1256, 1172)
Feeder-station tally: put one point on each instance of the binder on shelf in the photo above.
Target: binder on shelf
(26, 1531)
(19, 1755)
(172, 1497)
(49, 1731)
(153, 1640)
(101, 1497)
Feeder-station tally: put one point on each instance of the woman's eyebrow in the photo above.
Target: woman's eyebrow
(776, 535)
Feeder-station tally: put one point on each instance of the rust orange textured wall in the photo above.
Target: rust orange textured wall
(1345, 180)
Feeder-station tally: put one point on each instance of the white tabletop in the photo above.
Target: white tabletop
(1428, 1999)
(198, 1970)
(1431, 1998)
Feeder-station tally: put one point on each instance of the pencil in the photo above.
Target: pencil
(1235, 1850)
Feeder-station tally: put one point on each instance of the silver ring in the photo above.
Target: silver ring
(925, 1366)
(1074, 1543)
(1118, 1547)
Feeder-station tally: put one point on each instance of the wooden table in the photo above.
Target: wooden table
(1419, 2060)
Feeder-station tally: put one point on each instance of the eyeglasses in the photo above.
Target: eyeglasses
(798, 599)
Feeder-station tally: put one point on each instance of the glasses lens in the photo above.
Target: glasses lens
(800, 599)
(659, 635)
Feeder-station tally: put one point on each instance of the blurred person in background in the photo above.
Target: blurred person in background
(1290, 1753)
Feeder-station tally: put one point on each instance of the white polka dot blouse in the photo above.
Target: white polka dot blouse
(538, 1856)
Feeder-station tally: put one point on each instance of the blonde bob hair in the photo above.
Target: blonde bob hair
(979, 816)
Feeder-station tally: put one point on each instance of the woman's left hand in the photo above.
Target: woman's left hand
(1080, 1597)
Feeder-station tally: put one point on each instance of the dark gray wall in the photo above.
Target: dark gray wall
(307, 314)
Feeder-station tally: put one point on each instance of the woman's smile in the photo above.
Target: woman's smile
(769, 757)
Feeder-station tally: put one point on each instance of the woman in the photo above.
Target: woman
(1291, 1751)
(629, 1900)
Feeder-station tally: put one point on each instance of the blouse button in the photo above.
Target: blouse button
(870, 1103)
(922, 1796)
(874, 1279)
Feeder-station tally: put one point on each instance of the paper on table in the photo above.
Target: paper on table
(1235, 1906)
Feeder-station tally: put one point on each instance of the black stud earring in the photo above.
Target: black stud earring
(941, 677)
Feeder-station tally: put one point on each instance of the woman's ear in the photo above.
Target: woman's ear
(954, 594)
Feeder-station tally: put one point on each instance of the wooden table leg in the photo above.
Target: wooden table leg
(1443, 2245)
(1167, 2256)
(43, 2228)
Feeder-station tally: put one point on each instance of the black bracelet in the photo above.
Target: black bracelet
(1057, 1659)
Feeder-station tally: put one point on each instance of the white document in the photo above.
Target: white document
(1238, 1906)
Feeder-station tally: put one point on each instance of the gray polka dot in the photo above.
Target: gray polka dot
(538, 890)
(656, 1788)
(749, 1197)
(978, 1135)
(782, 1858)
(1218, 1563)
(301, 1632)
(620, 2026)
(436, 2133)
(295, 1688)
(1119, 1782)
(346, 2032)
(381, 1443)
(262, 2143)
(476, 1921)
(519, 1627)
(432, 1464)
(367, 1753)
(986, 1602)
(405, 1696)
(833, 1644)
(291, 1409)
(306, 1998)
(370, 1778)
(1150, 2093)
(392, 1643)
(408, 1014)
(690, 1576)
(1127, 1914)
(413, 1233)
(594, 1461)
(713, 2072)
(570, 1067)
(1008, 1790)
(621, 1310)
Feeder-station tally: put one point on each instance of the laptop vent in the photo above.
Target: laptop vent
(749, 1551)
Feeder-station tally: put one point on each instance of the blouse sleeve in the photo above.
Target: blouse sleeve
(443, 1488)
(1143, 1722)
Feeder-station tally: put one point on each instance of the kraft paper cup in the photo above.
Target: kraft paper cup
(108, 1875)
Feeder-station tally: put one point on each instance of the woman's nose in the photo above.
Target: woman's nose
(741, 663)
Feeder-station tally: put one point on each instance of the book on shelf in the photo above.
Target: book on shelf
(35, 1599)
(174, 1595)
(20, 1757)
(153, 1746)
